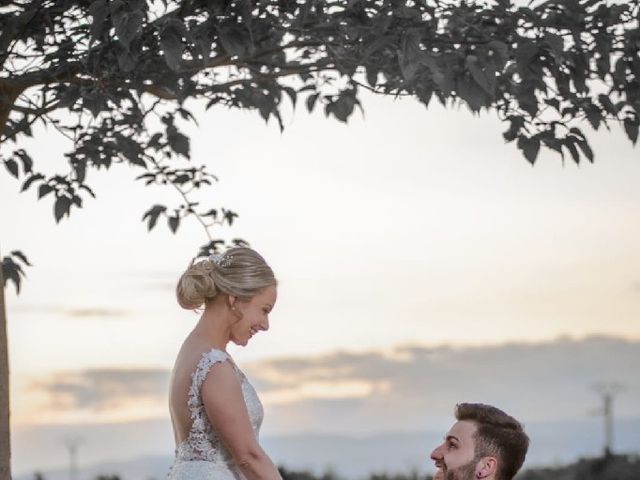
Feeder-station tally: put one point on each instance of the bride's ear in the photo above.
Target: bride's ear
(232, 301)
(233, 307)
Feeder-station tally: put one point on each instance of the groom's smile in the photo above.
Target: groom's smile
(455, 457)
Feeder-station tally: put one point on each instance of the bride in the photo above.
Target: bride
(215, 412)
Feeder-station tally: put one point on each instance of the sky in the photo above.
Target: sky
(405, 231)
(357, 412)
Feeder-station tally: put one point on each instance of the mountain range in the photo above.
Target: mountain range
(355, 457)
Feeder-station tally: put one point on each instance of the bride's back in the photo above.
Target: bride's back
(180, 383)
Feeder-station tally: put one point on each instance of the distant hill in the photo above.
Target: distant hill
(395, 454)
(617, 467)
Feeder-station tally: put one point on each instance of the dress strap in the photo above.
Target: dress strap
(208, 359)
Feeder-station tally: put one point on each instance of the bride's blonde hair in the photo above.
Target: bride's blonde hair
(240, 272)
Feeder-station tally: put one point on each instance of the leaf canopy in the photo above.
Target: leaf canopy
(101, 71)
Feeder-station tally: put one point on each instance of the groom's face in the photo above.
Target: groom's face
(455, 457)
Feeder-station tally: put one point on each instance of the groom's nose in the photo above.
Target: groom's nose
(436, 455)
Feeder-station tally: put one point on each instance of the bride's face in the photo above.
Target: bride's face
(254, 315)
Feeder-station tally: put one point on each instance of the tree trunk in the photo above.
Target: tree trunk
(5, 436)
(8, 96)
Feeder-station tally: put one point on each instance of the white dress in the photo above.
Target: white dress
(202, 455)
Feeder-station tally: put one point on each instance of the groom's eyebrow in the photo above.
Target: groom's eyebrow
(452, 437)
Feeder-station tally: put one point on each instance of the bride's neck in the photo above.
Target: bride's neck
(213, 326)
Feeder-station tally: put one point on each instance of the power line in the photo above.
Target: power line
(607, 391)
(72, 444)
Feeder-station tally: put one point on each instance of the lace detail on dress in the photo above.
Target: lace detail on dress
(203, 442)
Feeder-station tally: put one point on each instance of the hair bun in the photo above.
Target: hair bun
(239, 272)
(196, 285)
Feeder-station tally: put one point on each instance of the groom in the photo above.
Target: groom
(484, 444)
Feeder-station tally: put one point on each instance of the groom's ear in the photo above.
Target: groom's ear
(486, 467)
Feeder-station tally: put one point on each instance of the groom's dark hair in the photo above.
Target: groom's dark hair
(498, 434)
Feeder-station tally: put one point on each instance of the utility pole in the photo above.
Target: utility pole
(72, 445)
(608, 391)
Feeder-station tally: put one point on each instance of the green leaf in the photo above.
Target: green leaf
(556, 42)
(61, 207)
(211, 213)
(343, 106)
(127, 26)
(311, 101)
(80, 169)
(620, 71)
(22, 257)
(154, 142)
(229, 216)
(570, 145)
(530, 148)
(607, 104)
(12, 166)
(130, 149)
(603, 64)
(29, 181)
(181, 179)
(293, 96)
(472, 93)
(577, 132)
(99, 11)
(586, 149)
(372, 76)
(27, 162)
(553, 102)
(44, 189)
(174, 222)
(377, 44)
(172, 47)
(501, 50)
(409, 55)
(127, 60)
(526, 52)
(631, 126)
(11, 272)
(528, 100)
(179, 143)
(554, 144)
(594, 115)
(212, 247)
(235, 39)
(485, 77)
(152, 214)
(516, 125)
(68, 95)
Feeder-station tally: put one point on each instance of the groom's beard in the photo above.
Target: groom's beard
(463, 472)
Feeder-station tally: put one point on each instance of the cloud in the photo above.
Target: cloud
(414, 386)
(104, 389)
(408, 388)
(75, 312)
(93, 312)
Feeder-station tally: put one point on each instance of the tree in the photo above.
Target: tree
(115, 76)
(5, 443)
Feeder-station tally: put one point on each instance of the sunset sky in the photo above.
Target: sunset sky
(404, 230)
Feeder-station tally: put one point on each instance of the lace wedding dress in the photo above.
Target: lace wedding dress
(202, 456)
